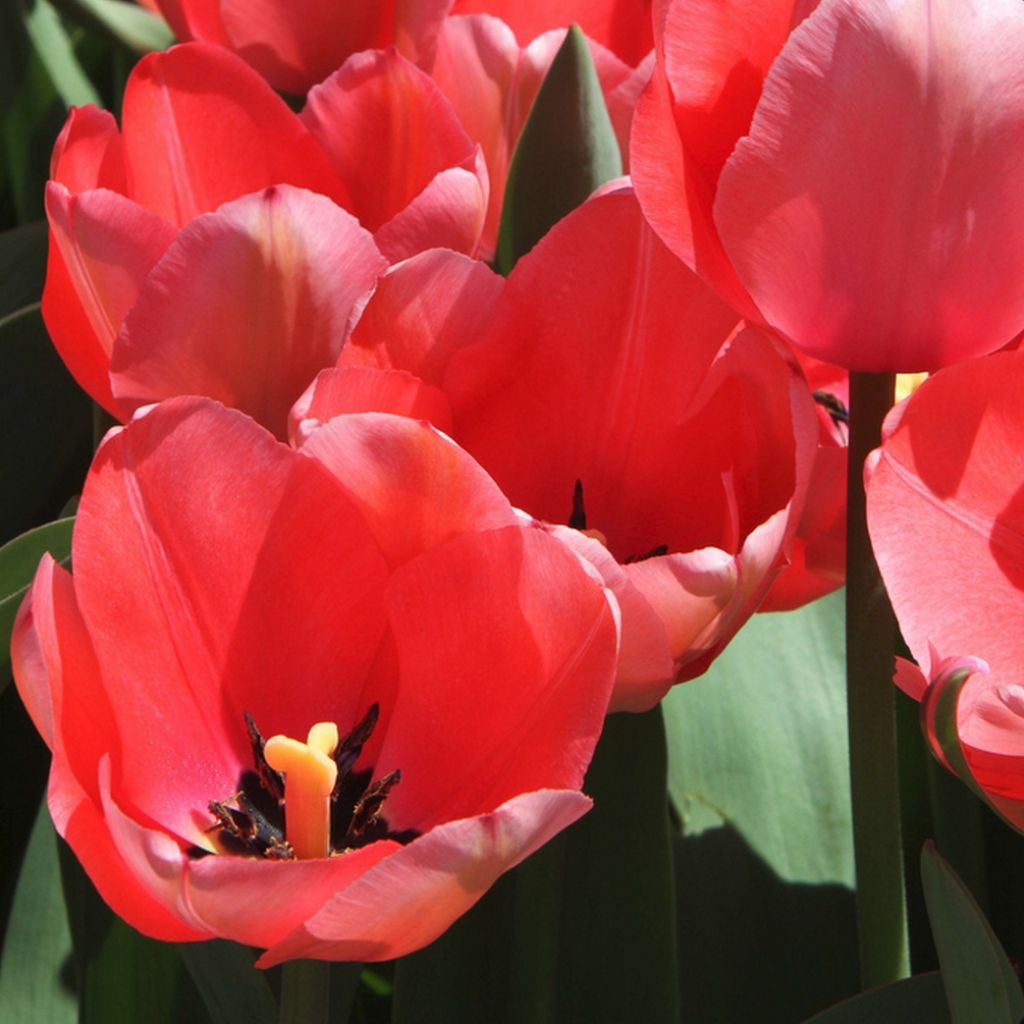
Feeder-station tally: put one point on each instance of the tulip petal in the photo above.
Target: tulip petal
(529, 693)
(88, 152)
(298, 45)
(248, 305)
(102, 248)
(401, 472)
(874, 209)
(449, 213)
(201, 128)
(623, 26)
(677, 197)
(946, 514)
(366, 389)
(384, 101)
(185, 575)
(407, 900)
(598, 347)
(423, 310)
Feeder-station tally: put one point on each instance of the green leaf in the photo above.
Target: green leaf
(133, 27)
(917, 1000)
(34, 982)
(759, 743)
(979, 981)
(18, 561)
(581, 931)
(45, 426)
(566, 150)
(233, 990)
(54, 49)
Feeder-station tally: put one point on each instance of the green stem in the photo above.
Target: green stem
(874, 778)
(305, 992)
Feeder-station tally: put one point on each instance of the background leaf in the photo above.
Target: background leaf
(567, 148)
(917, 1000)
(233, 990)
(759, 743)
(36, 984)
(979, 981)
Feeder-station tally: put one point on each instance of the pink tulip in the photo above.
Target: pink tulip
(374, 592)
(847, 170)
(298, 44)
(946, 514)
(206, 246)
(604, 360)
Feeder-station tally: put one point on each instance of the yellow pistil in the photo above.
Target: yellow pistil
(908, 383)
(309, 777)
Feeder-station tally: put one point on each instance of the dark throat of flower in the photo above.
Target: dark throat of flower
(578, 521)
(303, 800)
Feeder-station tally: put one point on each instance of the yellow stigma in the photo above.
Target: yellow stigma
(908, 383)
(309, 777)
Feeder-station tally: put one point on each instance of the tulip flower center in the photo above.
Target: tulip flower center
(306, 800)
(578, 521)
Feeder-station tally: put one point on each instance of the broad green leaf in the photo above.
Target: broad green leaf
(18, 561)
(566, 150)
(759, 743)
(581, 931)
(979, 981)
(54, 49)
(917, 1000)
(132, 26)
(45, 426)
(35, 983)
(233, 990)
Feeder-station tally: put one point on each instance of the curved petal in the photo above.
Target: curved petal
(102, 247)
(294, 46)
(243, 580)
(384, 101)
(410, 898)
(201, 128)
(415, 487)
(88, 152)
(365, 389)
(946, 514)
(599, 346)
(449, 213)
(677, 197)
(248, 305)
(422, 311)
(873, 211)
(646, 667)
(520, 708)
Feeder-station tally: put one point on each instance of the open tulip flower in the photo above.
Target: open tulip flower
(849, 170)
(313, 701)
(612, 394)
(207, 247)
(945, 500)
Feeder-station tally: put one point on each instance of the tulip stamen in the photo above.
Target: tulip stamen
(578, 516)
(309, 777)
(311, 791)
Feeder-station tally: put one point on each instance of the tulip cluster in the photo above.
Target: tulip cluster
(382, 536)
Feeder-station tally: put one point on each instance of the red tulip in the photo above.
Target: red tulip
(848, 170)
(367, 616)
(296, 45)
(205, 249)
(604, 360)
(946, 514)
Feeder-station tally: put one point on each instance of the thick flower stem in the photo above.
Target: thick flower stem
(305, 992)
(874, 779)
